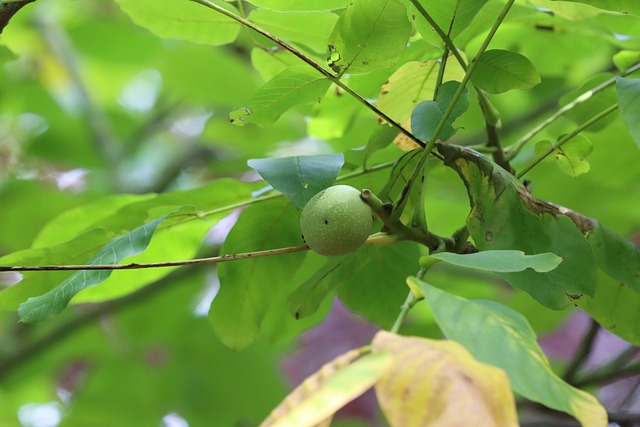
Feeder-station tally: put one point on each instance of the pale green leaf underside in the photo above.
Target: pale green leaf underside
(621, 6)
(184, 20)
(497, 335)
(301, 5)
(501, 260)
(452, 16)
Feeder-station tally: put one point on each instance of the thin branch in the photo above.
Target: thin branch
(138, 266)
(566, 138)
(491, 115)
(605, 376)
(334, 79)
(409, 303)
(583, 352)
(456, 96)
(518, 145)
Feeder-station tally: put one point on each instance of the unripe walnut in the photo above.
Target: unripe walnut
(336, 221)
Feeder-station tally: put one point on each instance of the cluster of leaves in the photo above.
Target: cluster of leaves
(415, 100)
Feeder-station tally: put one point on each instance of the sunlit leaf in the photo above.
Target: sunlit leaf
(499, 336)
(621, 6)
(427, 115)
(185, 20)
(504, 261)
(571, 156)
(438, 383)
(310, 29)
(370, 34)
(39, 308)
(249, 287)
(452, 16)
(301, 5)
(293, 86)
(502, 70)
(412, 83)
(329, 389)
(628, 91)
(505, 216)
(299, 178)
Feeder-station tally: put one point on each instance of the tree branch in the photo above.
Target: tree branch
(583, 352)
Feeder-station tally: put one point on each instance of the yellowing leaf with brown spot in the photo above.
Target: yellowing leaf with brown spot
(439, 383)
(338, 382)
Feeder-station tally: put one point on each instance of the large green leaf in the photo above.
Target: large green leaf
(310, 29)
(293, 86)
(497, 335)
(615, 306)
(503, 261)
(628, 92)
(621, 6)
(299, 177)
(301, 5)
(376, 288)
(501, 70)
(306, 299)
(452, 16)
(73, 236)
(505, 216)
(427, 115)
(39, 308)
(618, 257)
(183, 19)
(370, 34)
(249, 287)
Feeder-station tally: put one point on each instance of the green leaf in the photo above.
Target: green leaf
(39, 308)
(293, 86)
(628, 92)
(334, 116)
(249, 287)
(503, 261)
(618, 257)
(310, 29)
(497, 335)
(301, 5)
(376, 287)
(499, 71)
(381, 137)
(452, 16)
(427, 115)
(412, 83)
(306, 299)
(505, 216)
(184, 20)
(299, 177)
(73, 236)
(571, 156)
(370, 35)
(615, 306)
(620, 6)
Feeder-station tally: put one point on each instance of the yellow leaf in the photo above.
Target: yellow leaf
(334, 385)
(439, 383)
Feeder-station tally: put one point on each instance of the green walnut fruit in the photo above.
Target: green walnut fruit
(336, 221)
